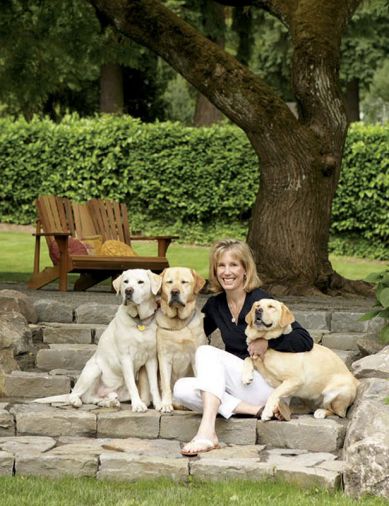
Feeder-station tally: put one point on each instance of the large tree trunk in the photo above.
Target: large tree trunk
(300, 157)
(111, 88)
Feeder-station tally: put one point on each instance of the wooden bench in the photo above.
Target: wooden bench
(60, 219)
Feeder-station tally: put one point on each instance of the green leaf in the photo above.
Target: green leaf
(384, 334)
(374, 277)
(369, 315)
(383, 297)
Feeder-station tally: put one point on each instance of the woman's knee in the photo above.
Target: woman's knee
(204, 351)
(183, 389)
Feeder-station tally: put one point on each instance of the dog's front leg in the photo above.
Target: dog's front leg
(129, 378)
(152, 375)
(165, 370)
(286, 389)
(248, 371)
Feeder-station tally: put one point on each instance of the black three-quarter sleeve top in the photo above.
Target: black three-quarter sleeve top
(218, 316)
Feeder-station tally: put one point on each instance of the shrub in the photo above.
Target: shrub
(199, 182)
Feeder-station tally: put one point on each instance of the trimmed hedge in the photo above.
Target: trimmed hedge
(200, 182)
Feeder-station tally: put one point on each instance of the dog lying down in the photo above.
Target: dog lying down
(125, 349)
(318, 374)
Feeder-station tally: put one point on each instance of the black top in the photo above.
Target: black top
(218, 316)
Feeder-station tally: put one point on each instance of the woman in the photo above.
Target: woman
(217, 387)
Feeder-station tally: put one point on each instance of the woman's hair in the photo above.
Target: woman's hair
(241, 251)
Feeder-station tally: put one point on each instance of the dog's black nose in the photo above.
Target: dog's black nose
(129, 291)
(175, 291)
(259, 310)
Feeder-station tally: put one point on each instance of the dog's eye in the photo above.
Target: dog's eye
(125, 281)
(140, 282)
(183, 282)
(169, 282)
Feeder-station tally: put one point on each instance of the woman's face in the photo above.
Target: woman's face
(230, 272)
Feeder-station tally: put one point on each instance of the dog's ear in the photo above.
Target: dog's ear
(199, 282)
(155, 281)
(287, 316)
(250, 316)
(116, 283)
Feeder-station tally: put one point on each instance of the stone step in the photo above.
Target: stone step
(303, 432)
(131, 459)
(74, 356)
(64, 356)
(35, 384)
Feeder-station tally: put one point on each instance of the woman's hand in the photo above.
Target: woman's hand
(258, 348)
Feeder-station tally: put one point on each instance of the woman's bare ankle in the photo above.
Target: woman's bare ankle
(244, 408)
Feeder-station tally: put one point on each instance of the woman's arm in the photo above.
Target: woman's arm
(296, 341)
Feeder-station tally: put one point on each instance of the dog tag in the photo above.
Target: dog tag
(141, 327)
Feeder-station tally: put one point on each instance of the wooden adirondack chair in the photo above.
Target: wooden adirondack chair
(59, 219)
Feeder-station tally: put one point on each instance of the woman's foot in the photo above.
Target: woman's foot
(200, 445)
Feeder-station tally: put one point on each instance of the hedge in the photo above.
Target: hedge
(200, 182)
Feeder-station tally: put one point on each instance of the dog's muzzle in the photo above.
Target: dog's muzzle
(175, 299)
(128, 294)
(258, 322)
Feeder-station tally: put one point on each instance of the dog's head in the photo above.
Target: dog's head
(137, 286)
(180, 287)
(269, 317)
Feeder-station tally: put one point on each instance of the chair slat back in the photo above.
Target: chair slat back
(84, 225)
(110, 219)
(55, 215)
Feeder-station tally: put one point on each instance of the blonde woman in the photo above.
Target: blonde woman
(217, 387)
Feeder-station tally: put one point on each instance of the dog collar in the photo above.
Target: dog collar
(141, 324)
(185, 322)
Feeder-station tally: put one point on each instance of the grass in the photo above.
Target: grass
(17, 253)
(18, 491)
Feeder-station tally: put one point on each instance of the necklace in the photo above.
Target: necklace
(236, 311)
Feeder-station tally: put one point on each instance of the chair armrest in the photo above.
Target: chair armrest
(55, 234)
(163, 241)
(152, 237)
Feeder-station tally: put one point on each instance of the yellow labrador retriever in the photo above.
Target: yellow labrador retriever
(179, 328)
(317, 374)
(128, 345)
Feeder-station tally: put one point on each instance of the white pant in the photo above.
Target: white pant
(220, 373)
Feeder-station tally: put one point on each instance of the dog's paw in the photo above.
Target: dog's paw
(320, 413)
(166, 408)
(139, 407)
(247, 378)
(109, 403)
(268, 412)
(75, 401)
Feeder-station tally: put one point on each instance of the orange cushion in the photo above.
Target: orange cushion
(93, 244)
(75, 247)
(112, 248)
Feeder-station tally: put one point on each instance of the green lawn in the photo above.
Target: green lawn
(17, 252)
(84, 492)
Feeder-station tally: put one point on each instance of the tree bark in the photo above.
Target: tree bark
(111, 89)
(300, 157)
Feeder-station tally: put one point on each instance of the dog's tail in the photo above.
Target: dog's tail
(55, 398)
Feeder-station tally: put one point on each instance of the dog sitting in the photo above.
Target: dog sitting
(179, 328)
(318, 374)
(127, 347)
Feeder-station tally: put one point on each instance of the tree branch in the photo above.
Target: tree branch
(231, 87)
